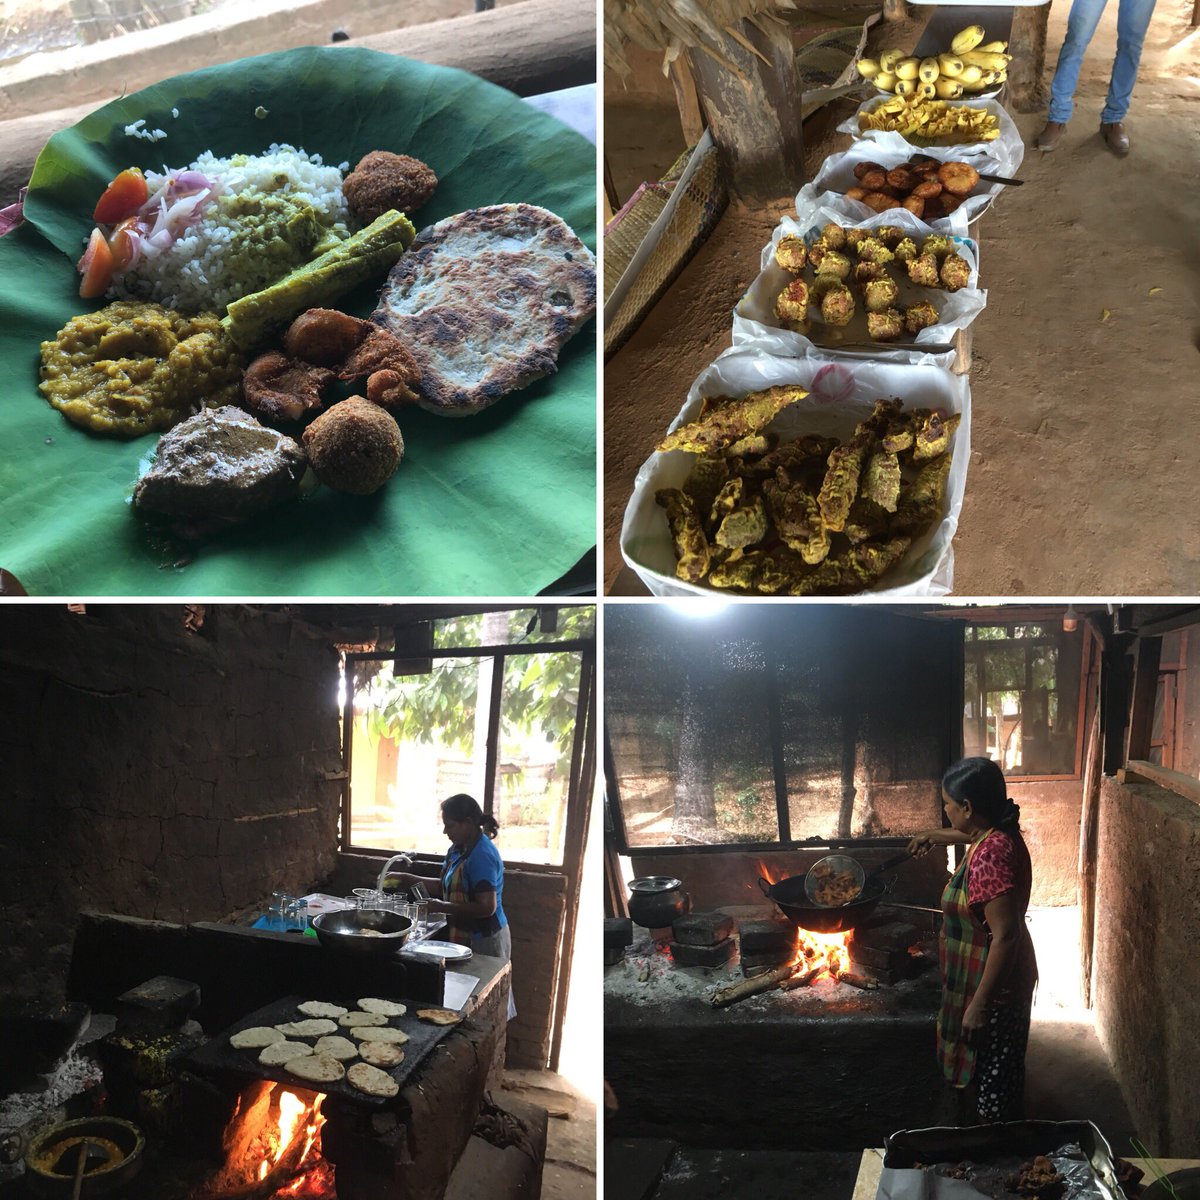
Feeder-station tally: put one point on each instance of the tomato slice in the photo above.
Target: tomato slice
(121, 245)
(96, 266)
(122, 198)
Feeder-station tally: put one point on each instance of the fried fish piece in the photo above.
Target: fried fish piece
(731, 422)
(840, 486)
(933, 435)
(709, 474)
(866, 520)
(855, 570)
(881, 480)
(754, 445)
(691, 546)
(797, 518)
(794, 457)
(902, 429)
(744, 526)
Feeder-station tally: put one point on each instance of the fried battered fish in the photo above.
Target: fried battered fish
(855, 570)
(881, 480)
(797, 518)
(841, 482)
(744, 526)
(921, 502)
(691, 546)
(731, 422)
(709, 474)
(933, 435)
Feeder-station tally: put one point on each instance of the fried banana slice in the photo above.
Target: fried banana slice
(731, 422)
(921, 502)
(866, 520)
(744, 526)
(881, 480)
(709, 475)
(855, 570)
(933, 435)
(691, 546)
(841, 482)
(797, 519)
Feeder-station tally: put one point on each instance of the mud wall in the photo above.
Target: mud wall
(1050, 822)
(155, 771)
(1147, 967)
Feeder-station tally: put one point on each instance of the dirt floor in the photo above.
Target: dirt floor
(1085, 361)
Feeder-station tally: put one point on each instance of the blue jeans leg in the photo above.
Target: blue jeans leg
(1133, 19)
(1081, 25)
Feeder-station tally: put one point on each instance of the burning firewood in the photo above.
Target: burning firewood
(800, 979)
(790, 975)
(859, 981)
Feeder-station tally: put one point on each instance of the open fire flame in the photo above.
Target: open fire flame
(827, 953)
(295, 1134)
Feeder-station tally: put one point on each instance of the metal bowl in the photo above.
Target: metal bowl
(51, 1159)
(341, 931)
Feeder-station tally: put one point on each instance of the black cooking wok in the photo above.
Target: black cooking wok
(789, 895)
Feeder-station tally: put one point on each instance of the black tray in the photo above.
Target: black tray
(1023, 1139)
(218, 1057)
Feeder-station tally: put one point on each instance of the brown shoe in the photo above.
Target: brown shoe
(1049, 138)
(1115, 138)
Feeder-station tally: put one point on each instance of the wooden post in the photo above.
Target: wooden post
(753, 111)
(1089, 827)
(1027, 45)
(691, 119)
(1145, 692)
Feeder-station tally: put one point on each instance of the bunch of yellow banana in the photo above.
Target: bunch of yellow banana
(968, 67)
(932, 121)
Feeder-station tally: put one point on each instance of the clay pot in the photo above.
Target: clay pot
(658, 901)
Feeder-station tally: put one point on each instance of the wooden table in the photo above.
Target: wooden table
(872, 1163)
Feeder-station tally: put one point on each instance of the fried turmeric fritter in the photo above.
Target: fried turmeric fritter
(691, 546)
(841, 482)
(855, 570)
(792, 303)
(797, 519)
(881, 480)
(955, 272)
(933, 436)
(744, 526)
(709, 474)
(923, 270)
(866, 520)
(733, 421)
(791, 253)
(921, 501)
(727, 499)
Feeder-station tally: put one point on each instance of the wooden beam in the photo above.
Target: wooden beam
(1145, 691)
(687, 100)
(1183, 785)
(1027, 45)
(1179, 620)
(1089, 838)
(1115, 680)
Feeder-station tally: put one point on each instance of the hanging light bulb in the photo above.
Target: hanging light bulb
(1070, 619)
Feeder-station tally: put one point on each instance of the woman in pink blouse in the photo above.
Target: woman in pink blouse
(986, 954)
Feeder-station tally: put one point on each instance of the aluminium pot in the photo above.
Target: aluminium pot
(657, 901)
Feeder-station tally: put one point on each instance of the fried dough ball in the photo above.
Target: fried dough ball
(923, 270)
(920, 316)
(791, 253)
(878, 202)
(955, 272)
(937, 244)
(915, 205)
(837, 305)
(958, 178)
(885, 326)
(792, 303)
(906, 250)
(873, 180)
(864, 272)
(928, 189)
(871, 249)
(834, 263)
(833, 235)
(855, 193)
(278, 388)
(354, 447)
(817, 251)
(880, 294)
(863, 168)
(855, 237)
(902, 178)
(384, 181)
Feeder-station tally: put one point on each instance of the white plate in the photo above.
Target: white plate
(448, 950)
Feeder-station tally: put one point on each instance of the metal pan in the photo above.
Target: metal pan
(789, 895)
(341, 931)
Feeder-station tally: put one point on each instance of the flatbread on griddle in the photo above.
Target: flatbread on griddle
(368, 1033)
(439, 1016)
(371, 1080)
(316, 1068)
(311, 1028)
(343, 1049)
(278, 1054)
(255, 1038)
(381, 1054)
(361, 1018)
(319, 1008)
(485, 300)
(389, 1008)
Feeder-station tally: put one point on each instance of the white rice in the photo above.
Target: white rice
(217, 261)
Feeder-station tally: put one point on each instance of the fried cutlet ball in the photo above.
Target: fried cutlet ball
(920, 316)
(354, 447)
(384, 181)
(873, 250)
(834, 235)
(923, 270)
(792, 303)
(837, 305)
(958, 178)
(865, 272)
(885, 326)
(834, 263)
(880, 294)
(791, 253)
(889, 235)
(937, 244)
(817, 252)
(955, 272)
(905, 250)
(855, 237)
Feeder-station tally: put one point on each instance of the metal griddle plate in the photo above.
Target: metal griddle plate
(218, 1057)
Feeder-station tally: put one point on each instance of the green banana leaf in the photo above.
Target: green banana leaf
(501, 503)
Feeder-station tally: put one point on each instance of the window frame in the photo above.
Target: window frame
(586, 647)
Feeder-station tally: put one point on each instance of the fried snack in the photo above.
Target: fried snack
(866, 520)
(938, 245)
(817, 252)
(691, 546)
(797, 519)
(882, 416)
(921, 502)
(792, 303)
(879, 201)
(738, 572)
(928, 189)
(791, 253)
(835, 264)
(926, 168)
(955, 272)
(871, 249)
(278, 388)
(841, 482)
(902, 178)
(915, 205)
(727, 499)
(885, 326)
(835, 889)
(879, 295)
(709, 475)
(932, 120)
(864, 272)
(837, 305)
(855, 570)
(754, 445)
(906, 250)
(744, 526)
(793, 457)
(862, 168)
(872, 181)
(855, 237)
(324, 336)
(354, 447)
(384, 181)
(923, 270)
(732, 421)
(855, 193)
(833, 235)
(949, 202)
(1039, 1178)
(890, 235)
(958, 178)
(932, 437)
(881, 480)
(920, 316)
